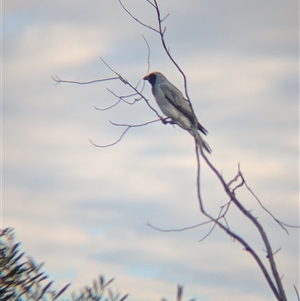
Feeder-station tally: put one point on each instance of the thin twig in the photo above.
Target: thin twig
(123, 96)
(134, 125)
(136, 19)
(264, 208)
(220, 216)
(58, 80)
(179, 229)
(164, 18)
(110, 107)
(128, 126)
(111, 144)
(238, 186)
(236, 177)
(148, 55)
(132, 87)
(208, 233)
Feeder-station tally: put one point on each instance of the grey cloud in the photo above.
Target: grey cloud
(83, 208)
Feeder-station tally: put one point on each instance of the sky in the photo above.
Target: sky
(84, 210)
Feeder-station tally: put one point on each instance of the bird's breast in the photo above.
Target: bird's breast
(165, 105)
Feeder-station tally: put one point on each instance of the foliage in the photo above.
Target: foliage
(22, 279)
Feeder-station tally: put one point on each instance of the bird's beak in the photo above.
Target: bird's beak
(146, 77)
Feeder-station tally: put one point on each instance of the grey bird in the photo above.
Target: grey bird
(173, 104)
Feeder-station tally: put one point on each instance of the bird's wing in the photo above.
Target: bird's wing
(176, 98)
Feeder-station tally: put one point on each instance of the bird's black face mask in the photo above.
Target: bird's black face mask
(151, 78)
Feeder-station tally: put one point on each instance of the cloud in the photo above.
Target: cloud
(83, 209)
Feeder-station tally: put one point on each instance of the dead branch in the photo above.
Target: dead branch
(113, 143)
(136, 19)
(177, 230)
(134, 125)
(128, 127)
(132, 87)
(281, 224)
(148, 57)
(230, 232)
(277, 289)
(58, 80)
(109, 107)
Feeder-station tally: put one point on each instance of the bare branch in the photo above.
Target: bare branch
(164, 18)
(150, 3)
(163, 32)
(107, 108)
(123, 96)
(148, 56)
(279, 249)
(226, 206)
(280, 223)
(133, 88)
(58, 80)
(238, 186)
(111, 144)
(128, 126)
(279, 291)
(134, 125)
(208, 233)
(220, 216)
(240, 175)
(178, 230)
(136, 19)
(236, 177)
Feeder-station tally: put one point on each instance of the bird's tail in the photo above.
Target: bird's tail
(201, 142)
(206, 146)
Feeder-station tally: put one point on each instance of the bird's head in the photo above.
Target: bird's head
(153, 77)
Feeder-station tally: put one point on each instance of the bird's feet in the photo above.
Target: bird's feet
(168, 120)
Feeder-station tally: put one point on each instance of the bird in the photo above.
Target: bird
(173, 104)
